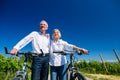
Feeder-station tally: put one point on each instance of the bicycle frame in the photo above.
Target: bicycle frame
(22, 74)
(72, 72)
(71, 69)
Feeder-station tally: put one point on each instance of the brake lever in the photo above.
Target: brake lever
(79, 52)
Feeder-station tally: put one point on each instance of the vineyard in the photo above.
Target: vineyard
(96, 67)
(8, 67)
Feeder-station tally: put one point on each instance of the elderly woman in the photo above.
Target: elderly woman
(58, 63)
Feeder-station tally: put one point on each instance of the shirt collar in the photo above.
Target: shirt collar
(56, 41)
(42, 34)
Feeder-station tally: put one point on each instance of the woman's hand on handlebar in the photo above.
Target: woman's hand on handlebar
(13, 51)
(83, 50)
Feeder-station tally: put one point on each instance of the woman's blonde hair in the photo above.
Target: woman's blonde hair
(58, 32)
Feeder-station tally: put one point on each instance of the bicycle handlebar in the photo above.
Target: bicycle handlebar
(68, 52)
(22, 53)
(35, 54)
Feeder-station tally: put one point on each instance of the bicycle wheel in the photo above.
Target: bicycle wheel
(78, 76)
(20, 77)
(17, 78)
(26, 77)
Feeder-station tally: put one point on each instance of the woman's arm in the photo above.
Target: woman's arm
(80, 49)
(70, 46)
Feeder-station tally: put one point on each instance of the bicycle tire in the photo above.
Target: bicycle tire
(78, 76)
(20, 78)
(26, 77)
(17, 78)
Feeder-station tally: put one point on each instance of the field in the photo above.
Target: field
(93, 70)
(102, 77)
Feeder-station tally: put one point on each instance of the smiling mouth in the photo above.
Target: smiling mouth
(41, 26)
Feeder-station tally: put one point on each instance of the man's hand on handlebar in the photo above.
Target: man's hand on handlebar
(13, 51)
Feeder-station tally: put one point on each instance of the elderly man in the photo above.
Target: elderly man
(40, 45)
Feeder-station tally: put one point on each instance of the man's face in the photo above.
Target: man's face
(43, 26)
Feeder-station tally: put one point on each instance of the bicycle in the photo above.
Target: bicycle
(72, 71)
(22, 74)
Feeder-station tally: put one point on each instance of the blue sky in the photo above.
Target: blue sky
(91, 24)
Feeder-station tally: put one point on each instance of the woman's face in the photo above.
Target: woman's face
(56, 35)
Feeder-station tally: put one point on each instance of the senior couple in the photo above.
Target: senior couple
(45, 47)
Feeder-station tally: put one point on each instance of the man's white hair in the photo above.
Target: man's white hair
(45, 22)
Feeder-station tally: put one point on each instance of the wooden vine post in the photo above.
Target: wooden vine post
(116, 54)
(104, 64)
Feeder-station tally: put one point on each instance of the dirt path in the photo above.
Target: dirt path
(105, 77)
(86, 78)
(99, 77)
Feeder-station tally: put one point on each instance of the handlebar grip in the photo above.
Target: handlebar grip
(6, 50)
